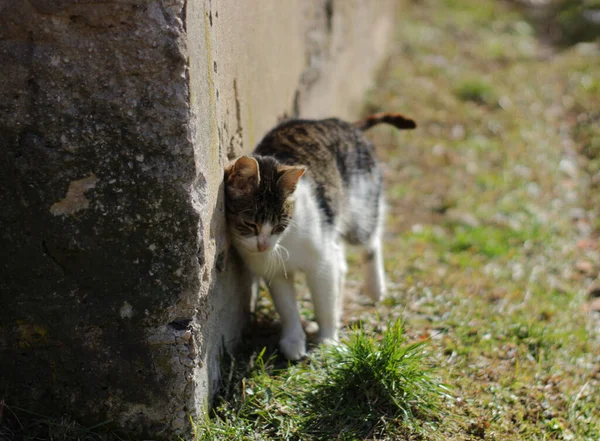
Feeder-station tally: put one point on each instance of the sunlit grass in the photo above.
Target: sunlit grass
(367, 386)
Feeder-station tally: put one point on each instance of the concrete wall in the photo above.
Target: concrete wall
(117, 286)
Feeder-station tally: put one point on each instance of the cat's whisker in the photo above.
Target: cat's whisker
(274, 257)
(287, 253)
(278, 250)
(270, 270)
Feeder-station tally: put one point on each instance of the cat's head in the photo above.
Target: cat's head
(259, 199)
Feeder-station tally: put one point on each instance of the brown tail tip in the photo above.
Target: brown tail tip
(395, 119)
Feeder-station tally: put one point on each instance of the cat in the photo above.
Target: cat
(309, 187)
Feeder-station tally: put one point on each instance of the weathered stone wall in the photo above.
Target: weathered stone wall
(117, 288)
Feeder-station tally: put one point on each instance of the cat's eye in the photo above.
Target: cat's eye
(278, 229)
(248, 228)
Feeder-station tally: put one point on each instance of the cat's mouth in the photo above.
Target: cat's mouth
(255, 245)
(258, 250)
(262, 248)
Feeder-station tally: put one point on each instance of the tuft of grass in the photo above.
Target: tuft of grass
(373, 387)
(475, 90)
(365, 387)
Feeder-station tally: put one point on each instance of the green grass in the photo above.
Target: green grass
(376, 388)
(365, 387)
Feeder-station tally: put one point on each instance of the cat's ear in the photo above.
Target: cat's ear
(243, 173)
(245, 167)
(289, 178)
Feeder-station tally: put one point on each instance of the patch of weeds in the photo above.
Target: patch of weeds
(536, 338)
(255, 400)
(475, 90)
(365, 387)
(371, 385)
(495, 241)
(489, 241)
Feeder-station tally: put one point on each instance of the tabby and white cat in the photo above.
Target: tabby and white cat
(308, 188)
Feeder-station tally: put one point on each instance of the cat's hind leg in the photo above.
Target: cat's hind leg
(373, 261)
(343, 270)
(324, 280)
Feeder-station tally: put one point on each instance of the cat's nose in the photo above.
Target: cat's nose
(262, 244)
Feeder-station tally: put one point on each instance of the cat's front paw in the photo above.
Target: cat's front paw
(328, 335)
(293, 348)
(327, 341)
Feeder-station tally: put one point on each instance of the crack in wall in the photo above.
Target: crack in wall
(47, 253)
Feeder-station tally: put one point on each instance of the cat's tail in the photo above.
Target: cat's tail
(396, 119)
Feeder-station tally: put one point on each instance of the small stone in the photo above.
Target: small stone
(458, 131)
(505, 102)
(179, 422)
(587, 244)
(569, 167)
(417, 228)
(311, 327)
(584, 266)
(462, 218)
(595, 305)
(578, 213)
(479, 428)
(438, 150)
(126, 311)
